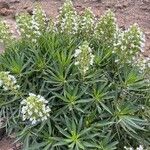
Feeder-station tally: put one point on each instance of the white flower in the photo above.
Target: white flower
(8, 82)
(92, 59)
(116, 60)
(85, 69)
(35, 109)
(84, 57)
(87, 22)
(40, 114)
(128, 43)
(77, 52)
(141, 62)
(31, 94)
(34, 40)
(138, 148)
(28, 36)
(33, 121)
(68, 19)
(76, 63)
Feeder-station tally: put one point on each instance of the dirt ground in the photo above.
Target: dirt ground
(127, 13)
(7, 143)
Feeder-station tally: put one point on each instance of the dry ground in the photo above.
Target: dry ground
(127, 13)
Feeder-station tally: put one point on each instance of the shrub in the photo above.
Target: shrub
(76, 83)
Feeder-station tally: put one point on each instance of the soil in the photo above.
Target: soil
(7, 143)
(127, 13)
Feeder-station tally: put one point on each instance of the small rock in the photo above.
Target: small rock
(108, 6)
(30, 11)
(12, 7)
(148, 37)
(97, 6)
(147, 32)
(145, 8)
(118, 6)
(25, 7)
(18, 145)
(125, 4)
(146, 1)
(4, 4)
(78, 6)
(14, 1)
(122, 27)
(12, 136)
(6, 12)
(122, 5)
(146, 53)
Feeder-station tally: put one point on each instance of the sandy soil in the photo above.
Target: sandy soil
(127, 13)
(8, 144)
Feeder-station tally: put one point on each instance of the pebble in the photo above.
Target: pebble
(14, 1)
(6, 12)
(4, 4)
(30, 11)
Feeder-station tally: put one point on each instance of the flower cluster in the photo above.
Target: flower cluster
(86, 24)
(35, 108)
(7, 81)
(143, 63)
(32, 27)
(138, 148)
(84, 57)
(129, 43)
(24, 25)
(68, 19)
(39, 20)
(106, 27)
(5, 34)
(51, 26)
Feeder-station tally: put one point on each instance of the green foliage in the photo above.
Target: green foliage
(66, 86)
(5, 34)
